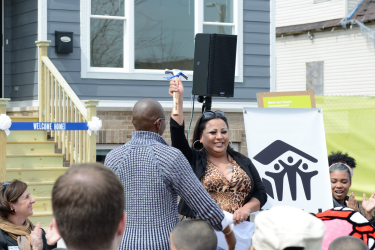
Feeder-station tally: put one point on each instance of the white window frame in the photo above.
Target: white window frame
(128, 72)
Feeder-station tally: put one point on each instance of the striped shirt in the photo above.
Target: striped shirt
(153, 175)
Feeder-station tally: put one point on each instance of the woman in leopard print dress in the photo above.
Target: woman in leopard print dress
(230, 177)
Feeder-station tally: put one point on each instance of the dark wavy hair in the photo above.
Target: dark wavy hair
(339, 157)
(201, 125)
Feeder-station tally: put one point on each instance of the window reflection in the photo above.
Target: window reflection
(217, 29)
(218, 11)
(106, 43)
(107, 7)
(164, 34)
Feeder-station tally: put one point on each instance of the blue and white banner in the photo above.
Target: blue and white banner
(58, 126)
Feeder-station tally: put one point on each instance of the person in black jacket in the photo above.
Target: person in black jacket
(230, 177)
(16, 229)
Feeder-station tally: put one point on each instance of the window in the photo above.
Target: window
(139, 39)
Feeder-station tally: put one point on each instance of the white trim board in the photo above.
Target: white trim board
(42, 20)
(127, 73)
(2, 49)
(273, 46)
(120, 105)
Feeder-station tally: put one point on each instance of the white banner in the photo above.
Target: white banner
(288, 148)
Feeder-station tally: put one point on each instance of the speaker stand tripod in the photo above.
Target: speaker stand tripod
(207, 102)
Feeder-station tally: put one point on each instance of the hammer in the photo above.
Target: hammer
(175, 74)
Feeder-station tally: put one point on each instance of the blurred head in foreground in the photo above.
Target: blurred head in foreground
(88, 204)
(287, 228)
(193, 235)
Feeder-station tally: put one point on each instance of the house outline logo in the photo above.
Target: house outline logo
(273, 152)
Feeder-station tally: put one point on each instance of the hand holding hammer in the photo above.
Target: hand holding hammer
(175, 74)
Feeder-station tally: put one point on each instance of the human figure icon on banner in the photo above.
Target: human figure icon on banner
(273, 152)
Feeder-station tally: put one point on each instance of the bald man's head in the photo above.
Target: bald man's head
(193, 235)
(348, 243)
(145, 113)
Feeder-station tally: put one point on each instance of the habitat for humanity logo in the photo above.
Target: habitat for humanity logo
(273, 152)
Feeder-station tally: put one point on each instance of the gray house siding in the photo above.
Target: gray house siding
(65, 16)
(21, 52)
(7, 48)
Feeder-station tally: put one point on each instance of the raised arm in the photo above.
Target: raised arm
(180, 88)
(177, 126)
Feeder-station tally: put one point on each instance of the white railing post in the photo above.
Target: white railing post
(3, 142)
(91, 140)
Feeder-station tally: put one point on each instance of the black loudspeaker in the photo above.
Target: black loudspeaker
(214, 65)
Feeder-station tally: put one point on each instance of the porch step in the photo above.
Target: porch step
(35, 147)
(31, 161)
(40, 189)
(27, 136)
(45, 218)
(35, 174)
(24, 118)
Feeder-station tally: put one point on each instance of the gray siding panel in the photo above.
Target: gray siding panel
(65, 16)
(7, 49)
(63, 26)
(24, 63)
(25, 55)
(24, 30)
(258, 82)
(254, 60)
(256, 45)
(69, 16)
(25, 92)
(25, 78)
(257, 27)
(63, 5)
(258, 38)
(24, 42)
(76, 55)
(257, 5)
(67, 65)
(257, 49)
(23, 7)
(25, 67)
(26, 18)
(256, 16)
(249, 93)
(256, 71)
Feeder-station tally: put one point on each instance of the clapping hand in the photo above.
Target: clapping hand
(36, 237)
(368, 205)
(53, 234)
(352, 202)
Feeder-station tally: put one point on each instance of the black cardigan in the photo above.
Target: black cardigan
(6, 241)
(197, 160)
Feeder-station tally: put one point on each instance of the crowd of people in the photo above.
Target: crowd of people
(131, 202)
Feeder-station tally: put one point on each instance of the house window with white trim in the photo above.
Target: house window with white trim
(139, 39)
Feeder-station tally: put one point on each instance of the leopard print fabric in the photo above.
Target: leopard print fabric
(229, 195)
